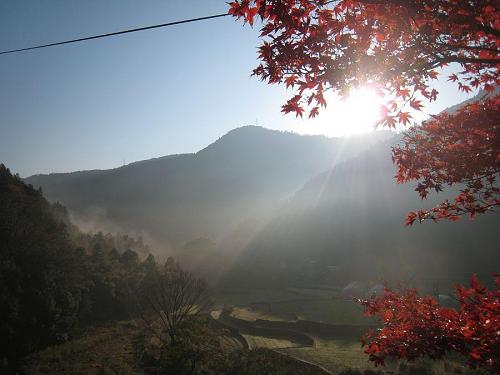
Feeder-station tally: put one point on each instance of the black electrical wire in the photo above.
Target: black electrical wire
(114, 33)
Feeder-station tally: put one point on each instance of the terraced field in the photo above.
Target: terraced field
(320, 305)
(250, 314)
(268, 343)
(332, 311)
(230, 343)
(333, 354)
(247, 297)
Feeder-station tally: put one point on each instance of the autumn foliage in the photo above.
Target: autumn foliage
(398, 48)
(460, 148)
(414, 326)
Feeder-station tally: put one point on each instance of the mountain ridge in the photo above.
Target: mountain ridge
(180, 197)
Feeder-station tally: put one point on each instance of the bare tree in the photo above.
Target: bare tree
(174, 297)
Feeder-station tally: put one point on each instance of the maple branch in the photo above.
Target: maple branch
(490, 30)
(473, 48)
(469, 60)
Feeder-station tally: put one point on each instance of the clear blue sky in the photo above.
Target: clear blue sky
(95, 104)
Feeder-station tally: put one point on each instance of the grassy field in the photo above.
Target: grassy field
(316, 292)
(332, 311)
(305, 303)
(103, 350)
(247, 297)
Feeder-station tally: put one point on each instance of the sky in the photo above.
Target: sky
(102, 103)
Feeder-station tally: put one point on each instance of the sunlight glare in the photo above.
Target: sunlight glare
(356, 115)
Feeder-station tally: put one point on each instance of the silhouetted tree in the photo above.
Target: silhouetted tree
(175, 296)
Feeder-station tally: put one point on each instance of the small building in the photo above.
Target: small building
(445, 300)
(355, 289)
(375, 291)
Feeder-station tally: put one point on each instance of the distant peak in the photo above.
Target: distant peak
(247, 129)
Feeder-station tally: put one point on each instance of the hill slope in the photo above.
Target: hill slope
(177, 198)
(348, 223)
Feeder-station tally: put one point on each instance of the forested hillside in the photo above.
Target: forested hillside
(54, 279)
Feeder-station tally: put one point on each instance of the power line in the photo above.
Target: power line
(115, 33)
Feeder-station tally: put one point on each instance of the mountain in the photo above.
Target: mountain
(281, 209)
(480, 96)
(174, 199)
(348, 224)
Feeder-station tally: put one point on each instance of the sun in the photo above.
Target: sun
(357, 114)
